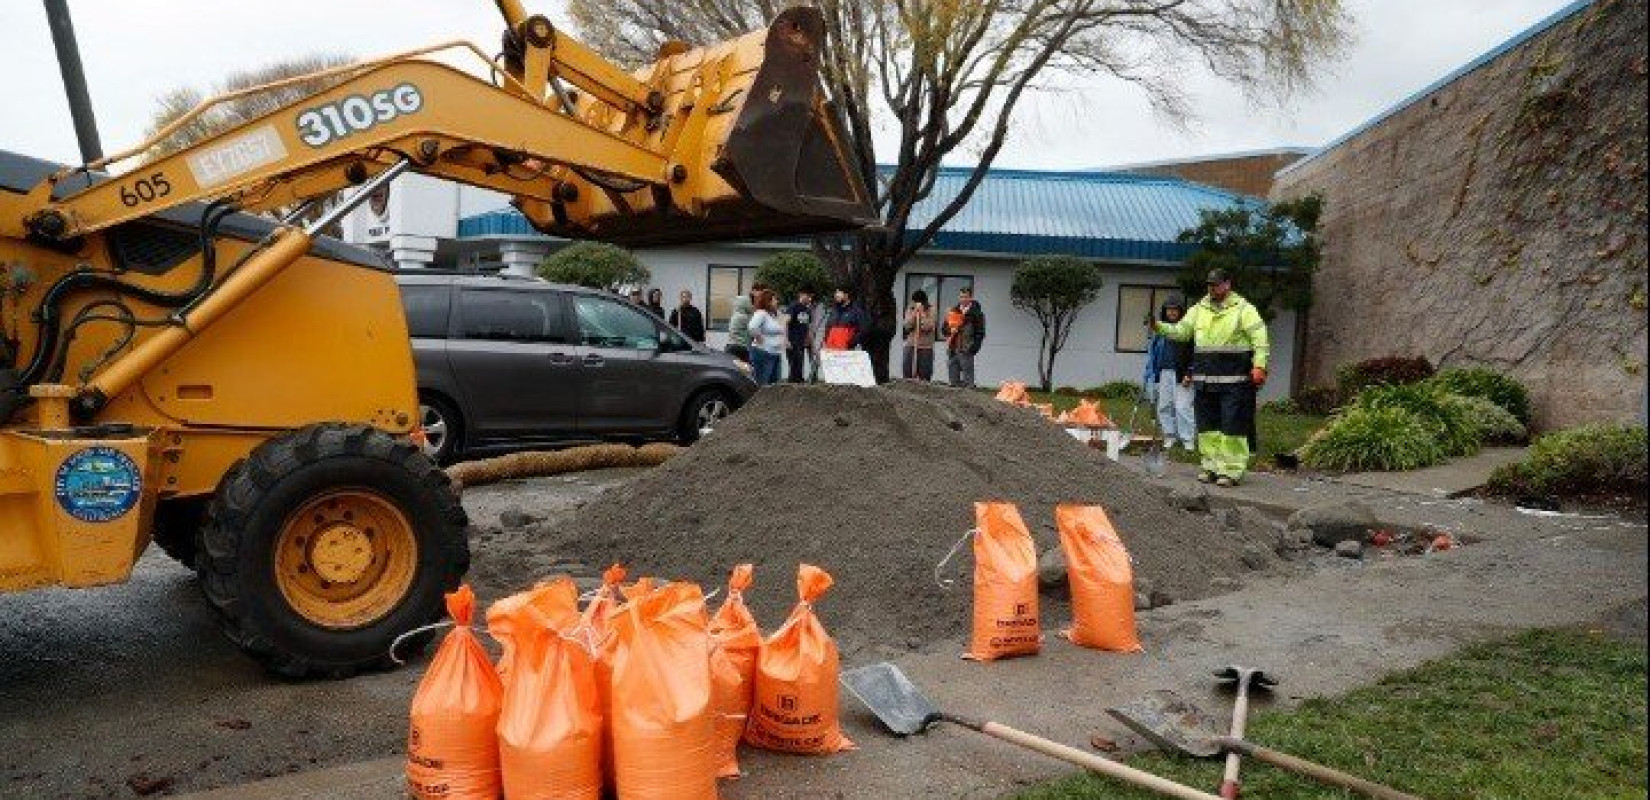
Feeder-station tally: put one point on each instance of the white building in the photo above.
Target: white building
(1126, 223)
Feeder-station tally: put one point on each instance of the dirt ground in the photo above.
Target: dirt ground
(132, 686)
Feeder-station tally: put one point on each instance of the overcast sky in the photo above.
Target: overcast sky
(135, 50)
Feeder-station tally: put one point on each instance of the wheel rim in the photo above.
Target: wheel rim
(345, 559)
(712, 411)
(435, 429)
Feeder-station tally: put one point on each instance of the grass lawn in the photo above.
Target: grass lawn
(1279, 433)
(1546, 714)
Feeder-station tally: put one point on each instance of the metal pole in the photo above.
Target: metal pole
(74, 80)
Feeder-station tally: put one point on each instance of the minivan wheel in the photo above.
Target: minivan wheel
(442, 427)
(704, 411)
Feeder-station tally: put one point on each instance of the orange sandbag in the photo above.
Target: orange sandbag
(795, 709)
(1101, 577)
(736, 642)
(452, 750)
(1088, 414)
(660, 714)
(1005, 585)
(550, 730)
(1012, 392)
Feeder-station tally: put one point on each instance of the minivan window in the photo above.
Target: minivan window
(426, 308)
(606, 323)
(504, 315)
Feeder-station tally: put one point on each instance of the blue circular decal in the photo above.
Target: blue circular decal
(98, 484)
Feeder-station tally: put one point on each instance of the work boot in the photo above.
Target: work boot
(1226, 481)
(1206, 476)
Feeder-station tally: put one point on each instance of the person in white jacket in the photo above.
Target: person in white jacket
(768, 339)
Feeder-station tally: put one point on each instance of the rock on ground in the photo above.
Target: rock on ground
(1333, 523)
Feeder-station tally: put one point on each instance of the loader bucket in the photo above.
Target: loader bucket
(762, 153)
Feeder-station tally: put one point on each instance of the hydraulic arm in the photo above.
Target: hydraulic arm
(733, 141)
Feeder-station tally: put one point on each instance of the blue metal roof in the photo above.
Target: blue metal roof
(1100, 215)
(1471, 66)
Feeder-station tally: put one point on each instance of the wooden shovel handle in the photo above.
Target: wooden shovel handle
(1093, 763)
(1301, 766)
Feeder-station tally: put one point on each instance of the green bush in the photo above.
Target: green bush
(1352, 379)
(1457, 433)
(1591, 459)
(1491, 423)
(1374, 438)
(1117, 390)
(791, 271)
(595, 265)
(1068, 391)
(1500, 389)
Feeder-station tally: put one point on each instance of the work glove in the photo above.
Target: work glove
(1258, 376)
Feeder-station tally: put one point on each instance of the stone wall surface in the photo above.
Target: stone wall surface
(1500, 221)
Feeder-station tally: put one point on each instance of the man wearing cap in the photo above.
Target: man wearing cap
(1230, 348)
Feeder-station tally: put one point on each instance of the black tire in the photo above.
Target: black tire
(258, 495)
(452, 434)
(699, 408)
(177, 526)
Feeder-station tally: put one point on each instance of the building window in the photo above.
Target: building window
(1134, 304)
(941, 289)
(722, 285)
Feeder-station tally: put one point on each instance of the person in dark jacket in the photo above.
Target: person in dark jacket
(687, 318)
(845, 322)
(1167, 381)
(964, 332)
(656, 302)
(799, 328)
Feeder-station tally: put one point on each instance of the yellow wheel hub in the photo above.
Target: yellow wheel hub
(346, 558)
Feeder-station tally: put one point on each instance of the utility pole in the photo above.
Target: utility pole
(74, 80)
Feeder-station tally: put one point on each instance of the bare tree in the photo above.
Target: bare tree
(179, 101)
(950, 74)
(174, 104)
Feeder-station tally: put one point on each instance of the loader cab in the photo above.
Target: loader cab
(507, 362)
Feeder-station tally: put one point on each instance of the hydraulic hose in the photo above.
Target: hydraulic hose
(45, 350)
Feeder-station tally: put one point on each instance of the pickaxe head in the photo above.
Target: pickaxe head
(1245, 677)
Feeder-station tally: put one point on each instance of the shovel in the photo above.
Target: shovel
(1153, 459)
(903, 709)
(1178, 726)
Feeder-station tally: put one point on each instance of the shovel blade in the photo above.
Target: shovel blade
(892, 697)
(1172, 723)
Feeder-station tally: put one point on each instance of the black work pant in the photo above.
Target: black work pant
(1227, 408)
(794, 357)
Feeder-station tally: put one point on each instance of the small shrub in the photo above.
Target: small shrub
(595, 265)
(1384, 438)
(1456, 433)
(1285, 405)
(1319, 400)
(1352, 379)
(1117, 390)
(1068, 391)
(1492, 423)
(1496, 387)
(1591, 459)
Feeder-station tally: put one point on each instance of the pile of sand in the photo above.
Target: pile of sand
(875, 485)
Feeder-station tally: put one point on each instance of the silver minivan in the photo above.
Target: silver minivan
(508, 362)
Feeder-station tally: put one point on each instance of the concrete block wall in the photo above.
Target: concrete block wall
(1500, 221)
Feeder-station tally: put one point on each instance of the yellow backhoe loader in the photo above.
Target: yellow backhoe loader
(241, 392)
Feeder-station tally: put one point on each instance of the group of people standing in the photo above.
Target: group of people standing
(962, 329)
(784, 341)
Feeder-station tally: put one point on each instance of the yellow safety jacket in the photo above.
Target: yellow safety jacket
(1227, 339)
